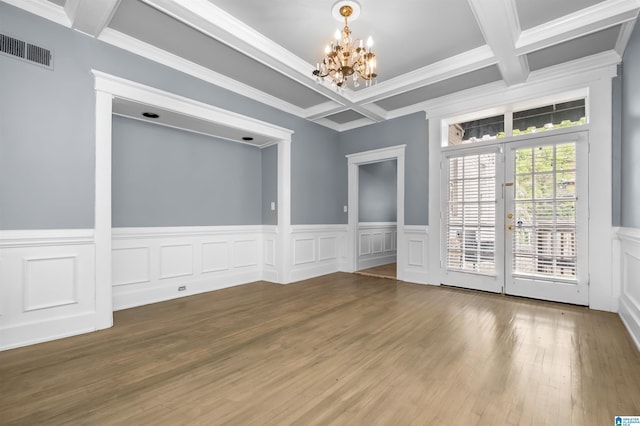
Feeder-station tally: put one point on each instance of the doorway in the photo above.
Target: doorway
(377, 219)
(353, 240)
(515, 218)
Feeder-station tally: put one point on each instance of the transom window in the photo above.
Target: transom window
(521, 122)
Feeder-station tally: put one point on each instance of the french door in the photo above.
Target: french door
(515, 218)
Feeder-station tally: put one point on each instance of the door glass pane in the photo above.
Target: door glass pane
(471, 213)
(544, 240)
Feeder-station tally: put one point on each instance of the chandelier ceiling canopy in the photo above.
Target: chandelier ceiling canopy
(346, 57)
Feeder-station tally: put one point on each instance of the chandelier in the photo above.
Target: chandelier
(347, 58)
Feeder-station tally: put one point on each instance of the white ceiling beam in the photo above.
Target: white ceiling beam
(498, 22)
(214, 22)
(43, 8)
(598, 17)
(90, 16)
(454, 66)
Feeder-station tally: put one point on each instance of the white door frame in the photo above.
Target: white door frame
(108, 87)
(354, 161)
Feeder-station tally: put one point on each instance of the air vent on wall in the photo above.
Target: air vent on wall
(19, 49)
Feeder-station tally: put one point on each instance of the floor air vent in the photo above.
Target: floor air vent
(19, 49)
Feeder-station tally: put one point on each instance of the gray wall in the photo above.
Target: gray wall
(411, 130)
(269, 185)
(47, 125)
(630, 147)
(168, 177)
(377, 191)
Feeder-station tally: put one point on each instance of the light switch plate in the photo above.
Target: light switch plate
(345, 209)
(273, 205)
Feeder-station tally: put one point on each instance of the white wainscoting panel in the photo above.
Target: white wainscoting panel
(47, 285)
(416, 268)
(304, 250)
(377, 244)
(317, 250)
(215, 256)
(176, 260)
(49, 282)
(629, 263)
(182, 261)
(327, 248)
(130, 265)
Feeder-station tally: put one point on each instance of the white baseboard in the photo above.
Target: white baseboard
(168, 291)
(43, 331)
(630, 316)
(372, 262)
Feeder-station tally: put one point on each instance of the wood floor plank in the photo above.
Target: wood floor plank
(340, 349)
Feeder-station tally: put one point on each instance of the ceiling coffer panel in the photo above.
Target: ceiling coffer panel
(345, 117)
(442, 88)
(532, 13)
(407, 35)
(591, 44)
(173, 36)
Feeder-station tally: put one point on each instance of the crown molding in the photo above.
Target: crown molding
(214, 22)
(462, 63)
(549, 81)
(43, 8)
(592, 19)
(163, 57)
(624, 36)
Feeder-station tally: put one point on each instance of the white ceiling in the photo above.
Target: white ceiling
(426, 49)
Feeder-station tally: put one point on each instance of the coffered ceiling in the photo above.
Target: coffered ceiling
(426, 49)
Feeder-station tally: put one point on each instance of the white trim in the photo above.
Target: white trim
(354, 161)
(596, 82)
(45, 237)
(43, 8)
(102, 213)
(109, 86)
(184, 231)
(628, 234)
(126, 89)
(626, 249)
(602, 15)
(170, 60)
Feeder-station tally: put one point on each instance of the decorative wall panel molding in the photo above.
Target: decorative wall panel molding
(49, 282)
(130, 265)
(47, 286)
(183, 261)
(317, 250)
(376, 244)
(628, 260)
(215, 256)
(416, 269)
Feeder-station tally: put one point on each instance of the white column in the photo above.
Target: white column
(104, 306)
(284, 251)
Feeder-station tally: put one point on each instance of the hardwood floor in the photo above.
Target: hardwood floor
(340, 349)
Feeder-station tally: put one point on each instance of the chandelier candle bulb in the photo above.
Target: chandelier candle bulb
(347, 56)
